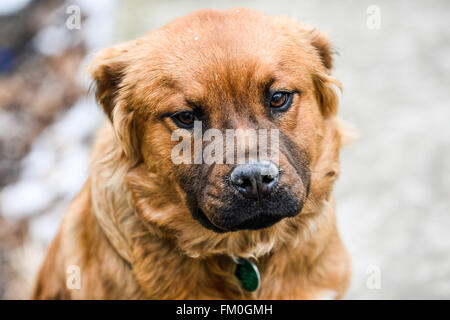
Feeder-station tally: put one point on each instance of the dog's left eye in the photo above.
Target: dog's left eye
(280, 101)
(184, 119)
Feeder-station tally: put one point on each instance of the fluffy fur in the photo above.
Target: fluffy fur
(130, 230)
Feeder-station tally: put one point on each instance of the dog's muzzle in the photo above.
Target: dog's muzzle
(255, 198)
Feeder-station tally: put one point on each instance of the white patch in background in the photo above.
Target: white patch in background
(11, 6)
(54, 40)
(98, 29)
(24, 198)
(54, 171)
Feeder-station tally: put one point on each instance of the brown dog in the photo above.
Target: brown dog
(145, 227)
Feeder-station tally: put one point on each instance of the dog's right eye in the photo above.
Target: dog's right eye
(184, 119)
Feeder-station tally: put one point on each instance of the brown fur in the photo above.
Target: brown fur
(130, 231)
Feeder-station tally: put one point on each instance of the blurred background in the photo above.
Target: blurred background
(393, 196)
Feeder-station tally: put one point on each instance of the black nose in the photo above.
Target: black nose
(255, 180)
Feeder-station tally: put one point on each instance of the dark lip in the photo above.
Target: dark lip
(203, 219)
(255, 223)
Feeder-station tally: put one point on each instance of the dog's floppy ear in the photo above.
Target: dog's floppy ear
(326, 86)
(327, 97)
(323, 46)
(108, 70)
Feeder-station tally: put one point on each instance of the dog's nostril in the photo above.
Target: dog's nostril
(268, 178)
(243, 182)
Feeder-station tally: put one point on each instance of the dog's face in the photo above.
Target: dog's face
(228, 70)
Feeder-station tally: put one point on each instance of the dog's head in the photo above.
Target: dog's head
(211, 73)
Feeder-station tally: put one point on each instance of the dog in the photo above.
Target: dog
(144, 227)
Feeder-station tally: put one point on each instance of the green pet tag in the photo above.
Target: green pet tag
(248, 274)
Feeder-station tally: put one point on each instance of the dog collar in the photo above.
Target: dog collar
(248, 274)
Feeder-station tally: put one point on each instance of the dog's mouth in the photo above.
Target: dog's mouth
(233, 211)
(203, 219)
(256, 222)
